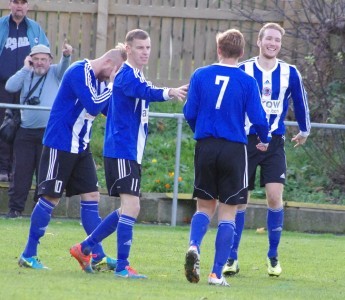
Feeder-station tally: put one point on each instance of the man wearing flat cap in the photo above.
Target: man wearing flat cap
(38, 80)
(18, 34)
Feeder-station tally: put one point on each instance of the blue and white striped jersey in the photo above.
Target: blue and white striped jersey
(277, 86)
(79, 99)
(219, 97)
(128, 114)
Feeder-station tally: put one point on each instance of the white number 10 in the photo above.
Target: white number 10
(225, 81)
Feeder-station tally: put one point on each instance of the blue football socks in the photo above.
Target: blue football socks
(124, 241)
(90, 219)
(40, 219)
(198, 229)
(240, 219)
(103, 230)
(275, 221)
(224, 240)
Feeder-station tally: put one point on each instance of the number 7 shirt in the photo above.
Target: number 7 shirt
(219, 98)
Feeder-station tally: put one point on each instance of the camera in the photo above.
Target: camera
(33, 101)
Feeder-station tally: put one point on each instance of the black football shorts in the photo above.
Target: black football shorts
(272, 162)
(122, 176)
(221, 171)
(60, 170)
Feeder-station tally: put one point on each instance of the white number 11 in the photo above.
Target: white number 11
(225, 81)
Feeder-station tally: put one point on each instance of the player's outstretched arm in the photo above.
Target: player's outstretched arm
(180, 93)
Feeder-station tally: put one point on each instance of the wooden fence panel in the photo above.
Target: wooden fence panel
(155, 34)
(41, 18)
(182, 31)
(102, 26)
(188, 44)
(224, 24)
(63, 31)
(164, 58)
(120, 24)
(199, 48)
(211, 51)
(133, 20)
(144, 21)
(51, 30)
(176, 44)
(111, 32)
(87, 36)
(4, 11)
(74, 36)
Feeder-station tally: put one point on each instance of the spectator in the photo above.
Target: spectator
(38, 82)
(124, 143)
(66, 161)
(18, 34)
(219, 98)
(278, 82)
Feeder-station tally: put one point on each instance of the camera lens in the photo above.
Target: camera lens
(33, 101)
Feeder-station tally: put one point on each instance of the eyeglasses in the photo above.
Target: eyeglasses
(43, 59)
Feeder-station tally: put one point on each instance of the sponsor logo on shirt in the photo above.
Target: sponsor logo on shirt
(272, 107)
(14, 43)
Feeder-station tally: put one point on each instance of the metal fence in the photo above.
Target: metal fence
(179, 118)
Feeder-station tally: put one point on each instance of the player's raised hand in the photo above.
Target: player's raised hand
(180, 93)
(67, 49)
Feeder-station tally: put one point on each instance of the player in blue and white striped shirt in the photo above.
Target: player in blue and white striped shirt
(66, 162)
(278, 82)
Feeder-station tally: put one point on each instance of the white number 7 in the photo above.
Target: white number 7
(225, 80)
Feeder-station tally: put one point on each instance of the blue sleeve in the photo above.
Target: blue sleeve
(300, 100)
(85, 90)
(105, 109)
(135, 86)
(191, 107)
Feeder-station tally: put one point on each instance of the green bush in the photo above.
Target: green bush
(306, 181)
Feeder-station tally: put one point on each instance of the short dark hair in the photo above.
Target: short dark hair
(138, 34)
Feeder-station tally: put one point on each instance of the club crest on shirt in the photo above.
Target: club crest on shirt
(266, 91)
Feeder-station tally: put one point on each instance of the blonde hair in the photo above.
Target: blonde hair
(119, 51)
(230, 43)
(122, 48)
(275, 26)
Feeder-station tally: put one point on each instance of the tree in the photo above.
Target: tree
(318, 49)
